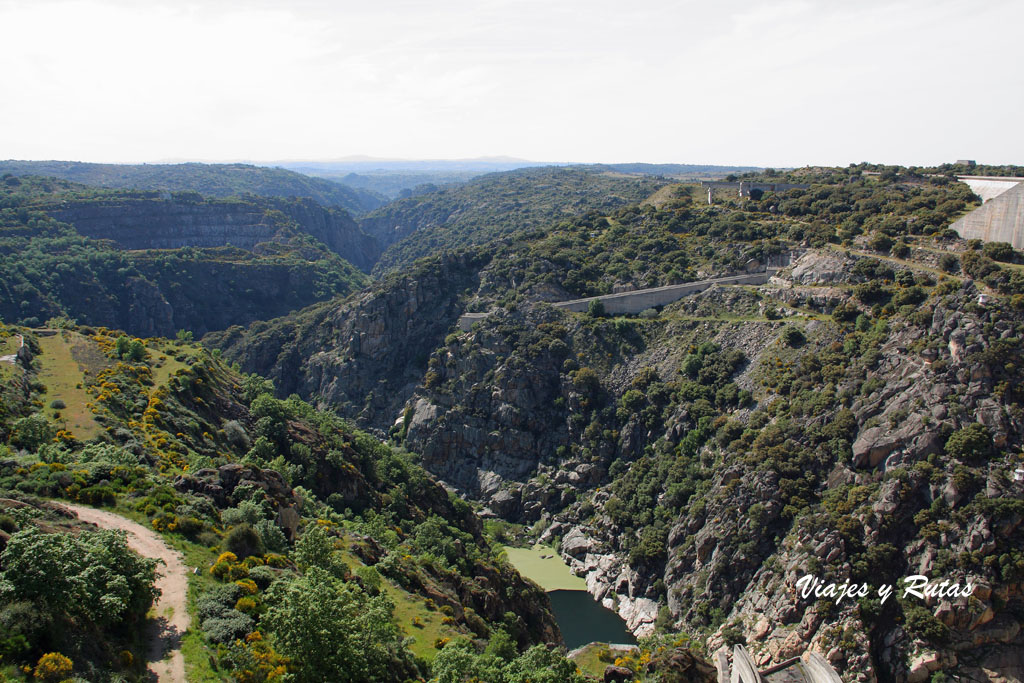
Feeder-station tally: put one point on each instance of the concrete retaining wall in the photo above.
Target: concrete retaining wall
(642, 299)
(467, 320)
(1000, 219)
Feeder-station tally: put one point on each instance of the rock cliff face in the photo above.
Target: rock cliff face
(878, 474)
(157, 294)
(363, 356)
(693, 466)
(186, 221)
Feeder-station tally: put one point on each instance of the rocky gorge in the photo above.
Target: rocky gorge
(555, 419)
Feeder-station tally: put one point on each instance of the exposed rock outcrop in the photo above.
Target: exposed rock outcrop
(184, 220)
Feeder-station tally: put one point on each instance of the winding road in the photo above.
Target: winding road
(164, 632)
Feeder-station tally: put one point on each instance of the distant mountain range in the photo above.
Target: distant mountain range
(403, 178)
(211, 180)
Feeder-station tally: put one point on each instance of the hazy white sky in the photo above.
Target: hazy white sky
(761, 82)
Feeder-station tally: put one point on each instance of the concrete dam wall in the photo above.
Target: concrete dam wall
(1000, 219)
(989, 187)
(642, 299)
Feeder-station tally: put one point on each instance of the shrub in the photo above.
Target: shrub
(246, 605)
(228, 628)
(973, 441)
(633, 401)
(793, 336)
(998, 251)
(243, 541)
(247, 512)
(58, 404)
(32, 432)
(53, 666)
(922, 623)
(97, 495)
(236, 435)
(217, 601)
(271, 535)
(586, 381)
(881, 242)
(262, 576)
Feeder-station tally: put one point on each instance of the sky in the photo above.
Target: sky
(748, 82)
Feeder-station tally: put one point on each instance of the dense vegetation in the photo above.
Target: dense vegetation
(167, 432)
(706, 450)
(212, 180)
(857, 417)
(61, 588)
(495, 205)
(49, 270)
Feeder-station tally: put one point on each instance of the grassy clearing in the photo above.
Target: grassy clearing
(414, 619)
(588, 659)
(8, 372)
(9, 343)
(194, 649)
(543, 565)
(418, 622)
(163, 360)
(64, 378)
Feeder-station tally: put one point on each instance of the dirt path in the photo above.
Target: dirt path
(11, 358)
(164, 633)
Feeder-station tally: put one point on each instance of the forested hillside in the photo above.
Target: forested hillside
(154, 266)
(211, 180)
(495, 205)
(855, 418)
(320, 552)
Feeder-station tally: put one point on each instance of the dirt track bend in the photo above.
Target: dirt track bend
(164, 633)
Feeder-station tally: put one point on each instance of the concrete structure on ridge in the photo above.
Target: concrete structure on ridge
(642, 299)
(1000, 218)
(743, 188)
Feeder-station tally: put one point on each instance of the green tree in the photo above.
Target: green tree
(253, 385)
(457, 662)
(633, 401)
(136, 350)
(333, 631)
(315, 548)
(973, 441)
(541, 665)
(121, 346)
(94, 576)
(32, 432)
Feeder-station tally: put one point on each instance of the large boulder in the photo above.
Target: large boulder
(617, 674)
